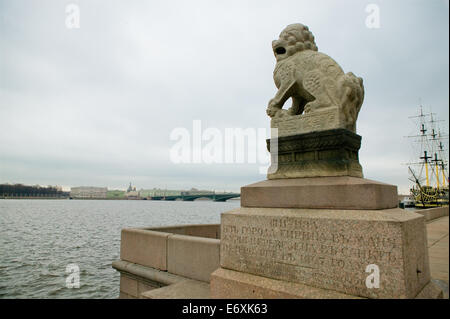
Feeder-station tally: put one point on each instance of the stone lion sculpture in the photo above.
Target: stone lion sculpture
(313, 80)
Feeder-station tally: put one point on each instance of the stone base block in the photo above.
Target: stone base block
(339, 250)
(326, 153)
(230, 284)
(320, 192)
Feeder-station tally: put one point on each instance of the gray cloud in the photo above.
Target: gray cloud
(96, 105)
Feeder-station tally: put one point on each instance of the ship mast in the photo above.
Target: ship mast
(438, 149)
(432, 162)
(423, 141)
(425, 158)
(434, 148)
(443, 164)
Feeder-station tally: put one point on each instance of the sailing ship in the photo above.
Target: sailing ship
(430, 173)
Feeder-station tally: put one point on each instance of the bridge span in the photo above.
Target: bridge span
(190, 198)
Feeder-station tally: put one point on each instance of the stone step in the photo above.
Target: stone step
(186, 289)
(342, 192)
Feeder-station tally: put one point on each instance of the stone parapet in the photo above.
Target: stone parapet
(433, 213)
(161, 256)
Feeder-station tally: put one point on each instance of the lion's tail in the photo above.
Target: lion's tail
(352, 98)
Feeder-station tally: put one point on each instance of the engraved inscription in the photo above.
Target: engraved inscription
(319, 252)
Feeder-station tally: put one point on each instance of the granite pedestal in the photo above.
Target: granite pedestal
(324, 153)
(326, 236)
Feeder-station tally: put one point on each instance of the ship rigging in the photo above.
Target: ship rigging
(430, 174)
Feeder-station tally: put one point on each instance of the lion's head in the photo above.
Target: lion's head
(294, 38)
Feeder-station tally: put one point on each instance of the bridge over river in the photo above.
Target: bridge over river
(191, 197)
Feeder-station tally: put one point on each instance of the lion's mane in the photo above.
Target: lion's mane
(295, 38)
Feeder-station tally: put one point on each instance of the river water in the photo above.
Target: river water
(39, 238)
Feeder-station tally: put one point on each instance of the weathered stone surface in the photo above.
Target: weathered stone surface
(144, 247)
(329, 249)
(433, 213)
(230, 284)
(307, 122)
(431, 291)
(149, 275)
(438, 243)
(186, 289)
(144, 287)
(136, 279)
(186, 255)
(326, 153)
(129, 286)
(193, 257)
(315, 82)
(320, 192)
(197, 230)
(123, 295)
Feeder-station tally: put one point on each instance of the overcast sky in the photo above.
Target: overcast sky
(95, 105)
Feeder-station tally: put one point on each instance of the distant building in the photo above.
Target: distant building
(88, 192)
(115, 194)
(159, 192)
(131, 188)
(133, 195)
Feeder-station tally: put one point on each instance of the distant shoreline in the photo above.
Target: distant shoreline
(131, 199)
(31, 197)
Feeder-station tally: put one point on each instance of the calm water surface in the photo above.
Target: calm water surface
(39, 238)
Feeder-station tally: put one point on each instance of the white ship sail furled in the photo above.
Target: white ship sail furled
(429, 170)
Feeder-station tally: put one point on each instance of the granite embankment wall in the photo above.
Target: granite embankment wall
(433, 213)
(157, 257)
(179, 259)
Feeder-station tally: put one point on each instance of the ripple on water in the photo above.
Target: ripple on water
(39, 238)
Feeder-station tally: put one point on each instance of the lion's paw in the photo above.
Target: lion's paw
(272, 112)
